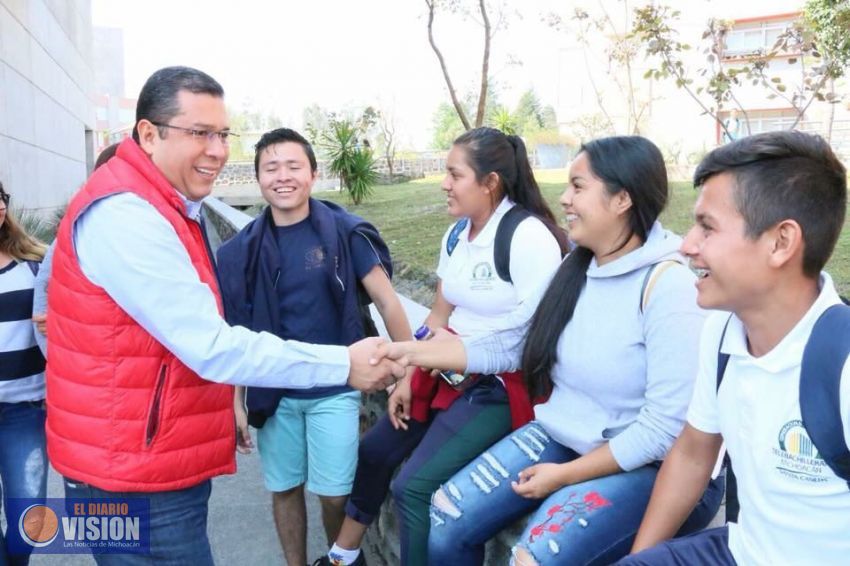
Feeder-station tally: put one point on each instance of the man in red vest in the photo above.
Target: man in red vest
(141, 365)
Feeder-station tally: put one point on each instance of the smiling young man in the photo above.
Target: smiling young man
(770, 210)
(297, 271)
(138, 401)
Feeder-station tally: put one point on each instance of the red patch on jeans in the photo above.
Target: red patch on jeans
(572, 508)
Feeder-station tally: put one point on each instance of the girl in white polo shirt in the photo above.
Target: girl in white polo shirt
(439, 428)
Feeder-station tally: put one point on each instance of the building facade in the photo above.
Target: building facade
(47, 117)
(594, 85)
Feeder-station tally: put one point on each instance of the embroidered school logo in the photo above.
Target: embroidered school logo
(797, 455)
(482, 277)
(38, 525)
(482, 272)
(314, 258)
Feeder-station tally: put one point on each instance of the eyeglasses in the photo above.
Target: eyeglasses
(5, 198)
(208, 135)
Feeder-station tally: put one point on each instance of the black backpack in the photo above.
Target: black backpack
(504, 235)
(820, 383)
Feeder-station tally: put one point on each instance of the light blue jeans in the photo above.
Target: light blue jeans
(23, 463)
(594, 522)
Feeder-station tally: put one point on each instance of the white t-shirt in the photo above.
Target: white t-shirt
(794, 509)
(469, 279)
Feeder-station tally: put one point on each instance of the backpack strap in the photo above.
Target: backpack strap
(651, 279)
(454, 235)
(722, 359)
(504, 236)
(820, 381)
(732, 505)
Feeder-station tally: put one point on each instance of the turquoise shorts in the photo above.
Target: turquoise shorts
(312, 441)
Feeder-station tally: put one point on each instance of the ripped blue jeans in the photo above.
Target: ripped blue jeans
(594, 522)
(23, 463)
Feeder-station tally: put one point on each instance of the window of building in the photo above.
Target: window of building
(754, 37)
(759, 121)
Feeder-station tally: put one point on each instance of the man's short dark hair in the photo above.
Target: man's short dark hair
(158, 99)
(281, 135)
(785, 176)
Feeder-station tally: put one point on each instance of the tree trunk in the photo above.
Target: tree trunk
(458, 106)
(485, 67)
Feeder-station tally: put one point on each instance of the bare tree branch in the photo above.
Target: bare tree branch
(485, 67)
(458, 106)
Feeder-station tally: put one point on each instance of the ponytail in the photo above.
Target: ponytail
(526, 192)
(491, 151)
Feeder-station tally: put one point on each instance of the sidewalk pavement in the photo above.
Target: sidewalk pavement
(240, 527)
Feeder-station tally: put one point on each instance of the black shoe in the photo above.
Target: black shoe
(326, 561)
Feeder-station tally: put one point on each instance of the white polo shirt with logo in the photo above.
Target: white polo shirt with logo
(469, 280)
(794, 509)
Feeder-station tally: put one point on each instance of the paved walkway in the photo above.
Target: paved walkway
(240, 526)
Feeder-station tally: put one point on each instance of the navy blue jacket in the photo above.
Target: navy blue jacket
(249, 269)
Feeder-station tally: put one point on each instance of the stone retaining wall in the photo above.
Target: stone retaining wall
(242, 172)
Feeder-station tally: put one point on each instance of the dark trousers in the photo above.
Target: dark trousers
(437, 449)
(705, 548)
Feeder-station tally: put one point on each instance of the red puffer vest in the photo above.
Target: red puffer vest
(123, 414)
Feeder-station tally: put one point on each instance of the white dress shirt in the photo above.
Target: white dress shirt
(125, 246)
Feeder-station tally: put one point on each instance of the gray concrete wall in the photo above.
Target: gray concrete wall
(45, 107)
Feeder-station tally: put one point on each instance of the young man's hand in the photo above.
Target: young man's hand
(244, 443)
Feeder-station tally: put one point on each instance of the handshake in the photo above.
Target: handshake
(377, 364)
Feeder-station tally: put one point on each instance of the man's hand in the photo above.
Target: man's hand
(40, 321)
(538, 481)
(372, 368)
(398, 405)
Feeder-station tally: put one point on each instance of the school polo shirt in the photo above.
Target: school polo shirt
(794, 509)
(469, 280)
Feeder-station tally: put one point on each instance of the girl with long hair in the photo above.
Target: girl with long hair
(23, 458)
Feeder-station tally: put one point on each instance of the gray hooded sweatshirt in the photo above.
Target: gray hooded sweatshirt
(622, 376)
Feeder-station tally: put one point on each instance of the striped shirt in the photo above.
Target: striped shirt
(21, 362)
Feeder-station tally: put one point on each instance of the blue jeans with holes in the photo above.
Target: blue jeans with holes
(178, 525)
(23, 462)
(593, 522)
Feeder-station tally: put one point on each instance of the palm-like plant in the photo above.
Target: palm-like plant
(353, 164)
(505, 121)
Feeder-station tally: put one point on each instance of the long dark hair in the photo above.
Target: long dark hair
(623, 163)
(489, 150)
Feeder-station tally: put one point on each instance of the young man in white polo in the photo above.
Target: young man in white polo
(769, 213)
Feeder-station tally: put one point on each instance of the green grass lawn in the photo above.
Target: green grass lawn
(412, 218)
